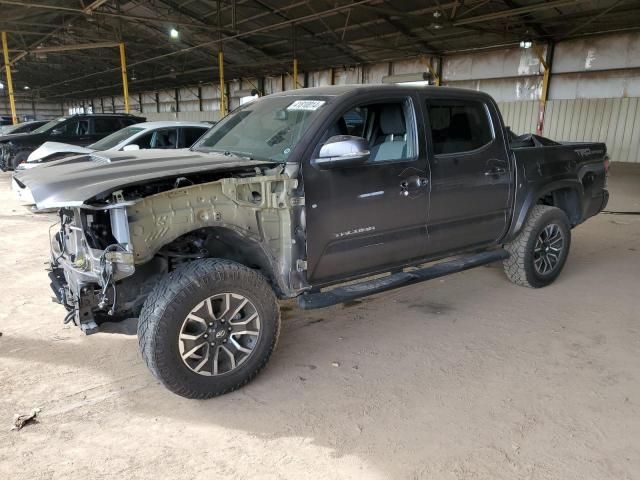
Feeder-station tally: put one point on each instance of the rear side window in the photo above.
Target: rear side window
(105, 125)
(458, 126)
(191, 134)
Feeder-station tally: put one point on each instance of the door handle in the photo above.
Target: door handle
(495, 171)
(414, 181)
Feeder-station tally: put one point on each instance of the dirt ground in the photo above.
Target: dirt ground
(467, 377)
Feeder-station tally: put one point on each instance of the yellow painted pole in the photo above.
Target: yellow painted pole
(12, 101)
(125, 81)
(223, 103)
(433, 72)
(544, 92)
(295, 73)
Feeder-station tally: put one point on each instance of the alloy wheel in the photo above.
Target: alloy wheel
(219, 334)
(548, 249)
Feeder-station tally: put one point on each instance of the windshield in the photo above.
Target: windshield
(7, 129)
(267, 129)
(115, 138)
(49, 125)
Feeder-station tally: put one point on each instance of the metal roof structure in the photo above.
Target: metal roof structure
(69, 47)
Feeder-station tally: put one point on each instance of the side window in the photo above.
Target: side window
(165, 138)
(104, 126)
(68, 129)
(458, 126)
(355, 121)
(75, 128)
(389, 128)
(191, 134)
(144, 141)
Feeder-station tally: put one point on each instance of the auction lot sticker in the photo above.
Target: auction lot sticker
(306, 105)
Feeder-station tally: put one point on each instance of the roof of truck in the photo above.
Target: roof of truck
(338, 90)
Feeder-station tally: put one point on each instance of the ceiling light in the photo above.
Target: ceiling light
(26, 87)
(1, 86)
(526, 44)
(437, 14)
(436, 26)
(174, 33)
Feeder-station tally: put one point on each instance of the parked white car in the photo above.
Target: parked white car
(141, 136)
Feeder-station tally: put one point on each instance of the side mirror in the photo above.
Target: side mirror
(342, 151)
(131, 146)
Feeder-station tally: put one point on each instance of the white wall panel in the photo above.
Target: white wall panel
(522, 117)
(615, 121)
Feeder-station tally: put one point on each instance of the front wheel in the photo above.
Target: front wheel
(539, 252)
(208, 327)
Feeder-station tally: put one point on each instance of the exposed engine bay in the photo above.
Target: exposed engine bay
(107, 254)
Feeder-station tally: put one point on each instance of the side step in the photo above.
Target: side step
(310, 301)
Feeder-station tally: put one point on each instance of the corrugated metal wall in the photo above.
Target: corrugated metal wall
(184, 116)
(520, 116)
(615, 121)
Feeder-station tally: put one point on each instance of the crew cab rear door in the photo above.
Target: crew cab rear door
(373, 216)
(471, 173)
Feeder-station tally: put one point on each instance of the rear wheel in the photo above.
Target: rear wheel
(208, 328)
(539, 252)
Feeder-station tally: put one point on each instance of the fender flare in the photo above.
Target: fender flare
(522, 213)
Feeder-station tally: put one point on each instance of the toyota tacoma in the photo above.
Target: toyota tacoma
(324, 195)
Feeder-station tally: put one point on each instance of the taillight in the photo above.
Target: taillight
(606, 165)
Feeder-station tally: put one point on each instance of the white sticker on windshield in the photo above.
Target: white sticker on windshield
(306, 105)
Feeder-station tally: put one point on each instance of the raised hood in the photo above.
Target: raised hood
(72, 181)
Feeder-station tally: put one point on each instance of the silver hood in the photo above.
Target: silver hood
(71, 181)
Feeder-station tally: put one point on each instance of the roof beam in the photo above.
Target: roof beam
(513, 12)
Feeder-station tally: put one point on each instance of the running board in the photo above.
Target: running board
(310, 301)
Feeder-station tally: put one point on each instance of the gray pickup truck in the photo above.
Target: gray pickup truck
(324, 194)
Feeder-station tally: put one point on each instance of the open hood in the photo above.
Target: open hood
(71, 181)
(49, 148)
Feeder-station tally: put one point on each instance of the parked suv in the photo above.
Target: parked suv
(351, 187)
(81, 130)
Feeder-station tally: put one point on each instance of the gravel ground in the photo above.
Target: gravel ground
(467, 377)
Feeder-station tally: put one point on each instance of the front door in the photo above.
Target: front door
(471, 175)
(371, 217)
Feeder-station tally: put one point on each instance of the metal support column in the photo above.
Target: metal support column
(295, 56)
(223, 102)
(12, 101)
(546, 62)
(435, 70)
(125, 82)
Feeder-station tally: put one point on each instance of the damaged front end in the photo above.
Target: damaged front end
(90, 253)
(108, 253)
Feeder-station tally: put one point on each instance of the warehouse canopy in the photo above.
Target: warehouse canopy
(70, 46)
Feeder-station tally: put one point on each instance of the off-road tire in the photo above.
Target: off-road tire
(170, 302)
(519, 267)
